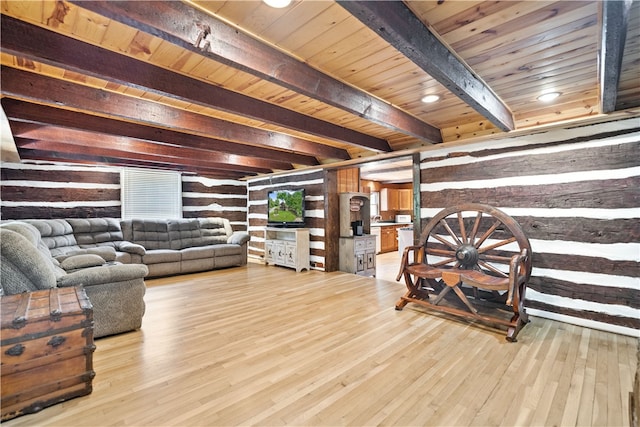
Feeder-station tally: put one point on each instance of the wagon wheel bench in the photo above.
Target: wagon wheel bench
(478, 252)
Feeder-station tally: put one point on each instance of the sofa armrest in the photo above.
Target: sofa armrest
(107, 253)
(239, 238)
(77, 262)
(93, 276)
(132, 248)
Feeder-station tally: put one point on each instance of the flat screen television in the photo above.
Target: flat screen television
(286, 208)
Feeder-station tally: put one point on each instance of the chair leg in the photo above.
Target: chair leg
(403, 301)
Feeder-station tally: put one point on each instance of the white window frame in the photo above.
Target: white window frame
(150, 194)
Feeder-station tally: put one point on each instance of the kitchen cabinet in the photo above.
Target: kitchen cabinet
(388, 238)
(405, 199)
(396, 199)
(389, 199)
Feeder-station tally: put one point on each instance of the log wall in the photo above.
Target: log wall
(59, 191)
(36, 190)
(206, 197)
(576, 194)
(313, 183)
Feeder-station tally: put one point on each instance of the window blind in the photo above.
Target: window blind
(150, 194)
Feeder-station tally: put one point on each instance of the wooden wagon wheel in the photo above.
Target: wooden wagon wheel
(473, 236)
(476, 251)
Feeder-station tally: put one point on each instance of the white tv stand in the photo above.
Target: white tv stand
(288, 247)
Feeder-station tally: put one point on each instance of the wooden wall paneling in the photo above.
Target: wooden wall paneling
(349, 180)
(370, 186)
(575, 194)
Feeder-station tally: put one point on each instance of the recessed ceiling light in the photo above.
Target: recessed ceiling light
(549, 96)
(278, 4)
(430, 98)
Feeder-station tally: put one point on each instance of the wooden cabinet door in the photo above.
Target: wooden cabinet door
(387, 239)
(389, 199)
(405, 199)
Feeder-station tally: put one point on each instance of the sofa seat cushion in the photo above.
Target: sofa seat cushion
(197, 252)
(227, 250)
(158, 256)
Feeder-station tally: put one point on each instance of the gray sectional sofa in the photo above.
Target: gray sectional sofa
(166, 247)
(111, 257)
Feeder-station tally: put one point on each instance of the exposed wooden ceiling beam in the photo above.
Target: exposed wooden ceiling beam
(398, 25)
(26, 85)
(46, 115)
(26, 40)
(84, 159)
(100, 150)
(181, 24)
(81, 139)
(615, 16)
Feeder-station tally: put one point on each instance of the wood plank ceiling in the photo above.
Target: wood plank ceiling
(233, 89)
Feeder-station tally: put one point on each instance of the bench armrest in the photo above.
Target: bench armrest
(516, 275)
(417, 255)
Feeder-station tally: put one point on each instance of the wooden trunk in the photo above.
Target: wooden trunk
(47, 349)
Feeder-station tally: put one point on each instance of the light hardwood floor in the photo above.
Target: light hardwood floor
(268, 346)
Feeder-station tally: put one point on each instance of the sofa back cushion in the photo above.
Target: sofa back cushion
(184, 233)
(33, 236)
(176, 233)
(215, 230)
(150, 233)
(96, 231)
(56, 234)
